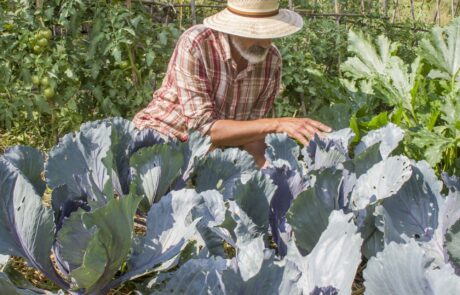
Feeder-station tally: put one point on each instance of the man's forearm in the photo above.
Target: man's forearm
(226, 133)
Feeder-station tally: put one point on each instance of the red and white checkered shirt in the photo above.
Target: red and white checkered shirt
(202, 85)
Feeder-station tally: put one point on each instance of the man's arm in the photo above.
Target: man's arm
(250, 135)
(238, 133)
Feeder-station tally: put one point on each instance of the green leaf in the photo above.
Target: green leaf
(73, 238)
(17, 279)
(92, 162)
(163, 38)
(169, 226)
(381, 181)
(30, 162)
(368, 61)
(196, 276)
(340, 242)
(308, 217)
(337, 115)
(388, 74)
(377, 121)
(94, 263)
(397, 115)
(26, 225)
(149, 58)
(210, 175)
(135, 21)
(442, 51)
(116, 53)
(9, 288)
(432, 120)
(407, 269)
(282, 151)
(110, 244)
(130, 31)
(354, 125)
(156, 168)
(254, 198)
(43, 105)
(451, 110)
(433, 143)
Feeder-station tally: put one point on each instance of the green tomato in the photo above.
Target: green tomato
(43, 42)
(45, 81)
(49, 93)
(124, 64)
(47, 34)
(38, 49)
(40, 34)
(35, 80)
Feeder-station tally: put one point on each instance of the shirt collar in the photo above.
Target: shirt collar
(224, 40)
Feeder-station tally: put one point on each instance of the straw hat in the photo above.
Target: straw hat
(257, 19)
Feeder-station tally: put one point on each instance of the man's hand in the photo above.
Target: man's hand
(302, 129)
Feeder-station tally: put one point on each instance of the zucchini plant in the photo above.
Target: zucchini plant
(422, 98)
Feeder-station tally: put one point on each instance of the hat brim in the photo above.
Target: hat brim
(285, 23)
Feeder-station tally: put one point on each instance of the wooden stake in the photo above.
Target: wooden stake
(302, 103)
(437, 16)
(412, 12)
(181, 11)
(453, 8)
(39, 4)
(394, 12)
(192, 6)
(385, 8)
(337, 21)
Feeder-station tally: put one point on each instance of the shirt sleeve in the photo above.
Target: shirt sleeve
(193, 88)
(267, 97)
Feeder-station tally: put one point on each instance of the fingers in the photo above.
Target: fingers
(318, 125)
(312, 131)
(306, 132)
(304, 129)
(300, 137)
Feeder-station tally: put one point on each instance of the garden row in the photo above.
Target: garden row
(211, 218)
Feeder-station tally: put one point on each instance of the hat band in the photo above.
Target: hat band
(253, 14)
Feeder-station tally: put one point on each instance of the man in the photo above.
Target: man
(223, 77)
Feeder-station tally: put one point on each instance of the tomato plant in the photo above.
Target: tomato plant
(67, 62)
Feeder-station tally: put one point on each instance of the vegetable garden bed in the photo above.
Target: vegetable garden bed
(208, 229)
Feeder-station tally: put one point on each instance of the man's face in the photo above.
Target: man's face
(253, 50)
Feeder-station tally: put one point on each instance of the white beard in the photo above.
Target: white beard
(251, 57)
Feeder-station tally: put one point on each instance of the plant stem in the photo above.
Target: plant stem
(133, 65)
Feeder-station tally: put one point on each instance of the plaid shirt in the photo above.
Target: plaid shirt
(202, 85)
